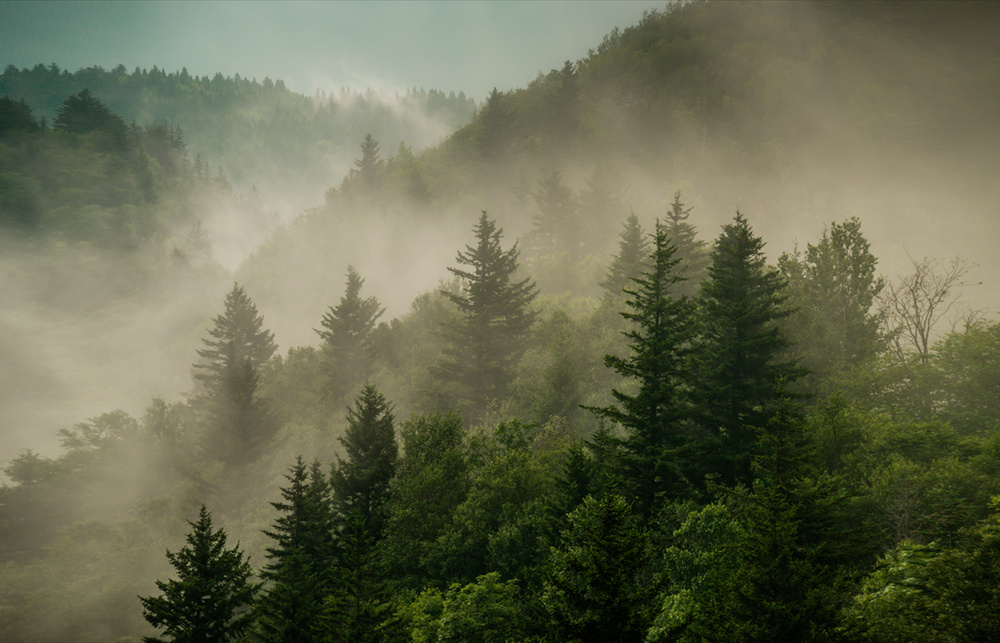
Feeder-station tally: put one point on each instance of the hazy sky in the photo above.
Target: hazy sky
(451, 46)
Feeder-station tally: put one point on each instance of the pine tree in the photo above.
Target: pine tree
(692, 251)
(300, 559)
(487, 343)
(370, 164)
(597, 589)
(345, 331)
(239, 425)
(212, 597)
(361, 482)
(743, 371)
(361, 489)
(659, 440)
(631, 260)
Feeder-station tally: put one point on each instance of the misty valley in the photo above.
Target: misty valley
(691, 339)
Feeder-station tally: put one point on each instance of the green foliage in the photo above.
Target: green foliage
(299, 561)
(659, 440)
(361, 481)
(346, 333)
(743, 371)
(486, 345)
(833, 289)
(598, 588)
(239, 425)
(212, 596)
(432, 481)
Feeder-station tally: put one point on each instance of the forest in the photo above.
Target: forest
(563, 373)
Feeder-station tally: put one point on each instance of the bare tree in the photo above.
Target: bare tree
(917, 303)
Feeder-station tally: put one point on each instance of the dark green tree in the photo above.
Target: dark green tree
(486, 345)
(15, 116)
(494, 126)
(361, 481)
(360, 491)
(346, 333)
(299, 561)
(83, 113)
(432, 480)
(239, 424)
(599, 588)
(659, 441)
(212, 597)
(742, 365)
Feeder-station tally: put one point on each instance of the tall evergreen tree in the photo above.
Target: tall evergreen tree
(361, 488)
(345, 331)
(659, 440)
(239, 424)
(300, 559)
(556, 226)
(742, 368)
(488, 342)
(495, 120)
(361, 481)
(211, 598)
(370, 164)
(692, 251)
(630, 261)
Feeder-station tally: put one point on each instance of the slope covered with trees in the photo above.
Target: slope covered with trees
(603, 409)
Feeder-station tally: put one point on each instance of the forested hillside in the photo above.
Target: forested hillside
(621, 359)
(290, 146)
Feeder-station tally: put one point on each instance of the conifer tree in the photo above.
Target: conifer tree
(742, 368)
(692, 251)
(300, 559)
(486, 345)
(212, 596)
(361, 481)
(239, 424)
(630, 261)
(361, 487)
(659, 439)
(556, 224)
(370, 164)
(345, 331)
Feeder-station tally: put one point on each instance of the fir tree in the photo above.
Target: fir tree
(211, 598)
(659, 440)
(239, 424)
(487, 343)
(300, 559)
(692, 251)
(743, 371)
(630, 261)
(345, 330)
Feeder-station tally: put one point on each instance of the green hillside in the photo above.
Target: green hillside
(683, 341)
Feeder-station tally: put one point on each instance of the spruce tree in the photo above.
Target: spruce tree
(300, 559)
(360, 482)
(239, 424)
(212, 596)
(360, 490)
(742, 366)
(692, 251)
(630, 261)
(489, 340)
(345, 331)
(659, 441)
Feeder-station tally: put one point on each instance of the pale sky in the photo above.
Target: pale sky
(450, 46)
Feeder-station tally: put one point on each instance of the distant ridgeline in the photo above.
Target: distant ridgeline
(87, 178)
(310, 141)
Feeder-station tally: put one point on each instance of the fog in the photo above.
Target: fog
(84, 332)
